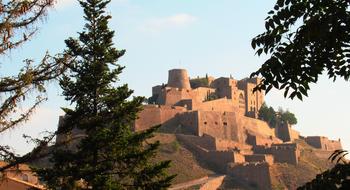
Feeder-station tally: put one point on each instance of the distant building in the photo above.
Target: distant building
(19, 178)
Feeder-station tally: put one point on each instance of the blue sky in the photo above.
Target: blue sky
(202, 36)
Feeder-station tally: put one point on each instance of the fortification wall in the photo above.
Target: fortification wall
(223, 144)
(256, 173)
(323, 143)
(259, 158)
(221, 125)
(216, 159)
(153, 115)
(220, 159)
(257, 139)
(173, 96)
(178, 78)
(190, 120)
(220, 105)
(207, 142)
(223, 82)
(256, 127)
(201, 93)
(210, 143)
(282, 153)
(286, 153)
(285, 132)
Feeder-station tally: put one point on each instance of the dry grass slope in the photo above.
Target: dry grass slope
(184, 163)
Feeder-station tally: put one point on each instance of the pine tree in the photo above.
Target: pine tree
(109, 155)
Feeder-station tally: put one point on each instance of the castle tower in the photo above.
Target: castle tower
(178, 78)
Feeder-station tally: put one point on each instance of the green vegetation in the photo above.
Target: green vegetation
(199, 82)
(152, 99)
(18, 25)
(211, 96)
(272, 117)
(108, 155)
(304, 38)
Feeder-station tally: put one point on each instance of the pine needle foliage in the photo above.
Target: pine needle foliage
(18, 24)
(109, 155)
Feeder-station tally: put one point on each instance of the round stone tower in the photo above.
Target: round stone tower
(178, 78)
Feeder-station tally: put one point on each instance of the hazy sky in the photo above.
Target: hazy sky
(202, 36)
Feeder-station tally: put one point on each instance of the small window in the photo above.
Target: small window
(216, 123)
(205, 122)
(225, 123)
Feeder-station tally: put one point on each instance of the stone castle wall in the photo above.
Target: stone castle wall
(257, 174)
(220, 105)
(257, 139)
(285, 132)
(211, 143)
(282, 153)
(256, 126)
(268, 158)
(153, 115)
(286, 153)
(218, 159)
(323, 143)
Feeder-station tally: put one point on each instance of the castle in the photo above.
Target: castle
(218, 120)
